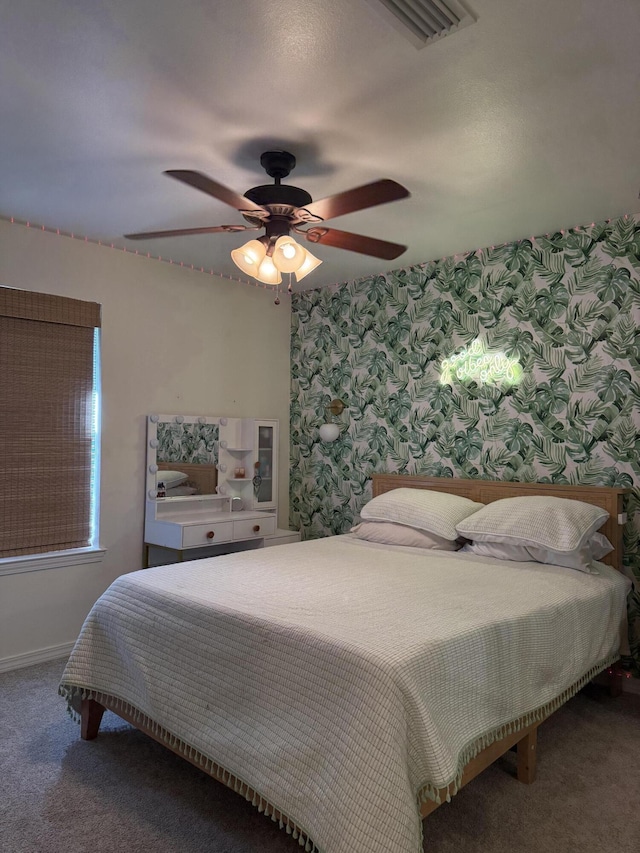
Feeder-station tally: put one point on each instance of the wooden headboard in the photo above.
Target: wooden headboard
(486, 491)
(203, 477)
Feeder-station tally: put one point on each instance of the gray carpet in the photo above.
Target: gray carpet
(124, 792)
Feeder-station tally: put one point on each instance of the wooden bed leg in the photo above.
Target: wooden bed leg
(527, 757)
(90, 718)
(614, 674)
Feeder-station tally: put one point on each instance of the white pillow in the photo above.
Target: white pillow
(180, 491)
(388, 533)
(560, 524)
(171, 478)
(600, 546)
(580, 559)
(424, 509)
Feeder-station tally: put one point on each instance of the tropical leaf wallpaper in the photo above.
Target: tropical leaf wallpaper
(187, 442)
(564, 307)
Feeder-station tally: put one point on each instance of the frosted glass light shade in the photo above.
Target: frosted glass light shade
(310, 263)
(249, 257)
(288, 256)
(329, 432)
(267, 273)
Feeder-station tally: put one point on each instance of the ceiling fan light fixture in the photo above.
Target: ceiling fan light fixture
(249, 257)
(310, 263)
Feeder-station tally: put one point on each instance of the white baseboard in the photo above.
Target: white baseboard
(37, 656)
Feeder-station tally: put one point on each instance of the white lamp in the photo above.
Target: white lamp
(329, 432)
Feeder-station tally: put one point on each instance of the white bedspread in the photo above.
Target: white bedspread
(337, 677)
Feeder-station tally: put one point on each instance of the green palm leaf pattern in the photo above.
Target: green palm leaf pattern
(567, 306)
(623, 340)
(187, 442)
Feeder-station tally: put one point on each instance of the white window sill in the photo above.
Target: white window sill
(52, 560)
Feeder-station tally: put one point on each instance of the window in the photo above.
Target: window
(49, 423)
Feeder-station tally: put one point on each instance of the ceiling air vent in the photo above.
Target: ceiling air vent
(424, 21)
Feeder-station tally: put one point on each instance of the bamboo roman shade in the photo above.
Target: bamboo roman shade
(47, 386)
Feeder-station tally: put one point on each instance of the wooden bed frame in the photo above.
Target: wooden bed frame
(487, 491)
(483, 491)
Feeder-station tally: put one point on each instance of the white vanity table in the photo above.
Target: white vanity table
(241, 454)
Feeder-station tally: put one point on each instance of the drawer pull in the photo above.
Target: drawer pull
(256, 528)
(210, 534)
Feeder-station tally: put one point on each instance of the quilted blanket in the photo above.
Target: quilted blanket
(341, 680)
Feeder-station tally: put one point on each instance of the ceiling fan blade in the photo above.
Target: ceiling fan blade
(358, 198)
(353, 242)
(180, 232)
(213, 188)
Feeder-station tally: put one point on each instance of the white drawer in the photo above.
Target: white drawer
(252, 528)
(195, 535)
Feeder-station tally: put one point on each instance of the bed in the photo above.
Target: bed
(202, 477)
(347, 688)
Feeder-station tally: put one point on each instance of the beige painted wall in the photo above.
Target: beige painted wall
(173, 340)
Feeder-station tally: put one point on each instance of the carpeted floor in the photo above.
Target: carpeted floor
(124, 792)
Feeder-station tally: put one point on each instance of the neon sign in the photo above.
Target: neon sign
(477, 364)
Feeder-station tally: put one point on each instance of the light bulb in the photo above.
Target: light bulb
(288, 256)
(267, 272)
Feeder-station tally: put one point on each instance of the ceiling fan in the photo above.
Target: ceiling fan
(281, 209)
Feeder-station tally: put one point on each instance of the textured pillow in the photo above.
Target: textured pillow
(388, 533)
(580, 559)
(171, 478)
(560, 524)
(434, 512)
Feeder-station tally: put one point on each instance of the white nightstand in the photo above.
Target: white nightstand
(281, 537)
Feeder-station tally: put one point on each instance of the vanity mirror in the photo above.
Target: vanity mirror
(186, 454)
(211, 482)
(190, 456)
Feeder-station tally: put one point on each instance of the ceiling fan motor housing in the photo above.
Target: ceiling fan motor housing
(279, 194)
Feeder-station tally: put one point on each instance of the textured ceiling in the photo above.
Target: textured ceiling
(521, 123)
